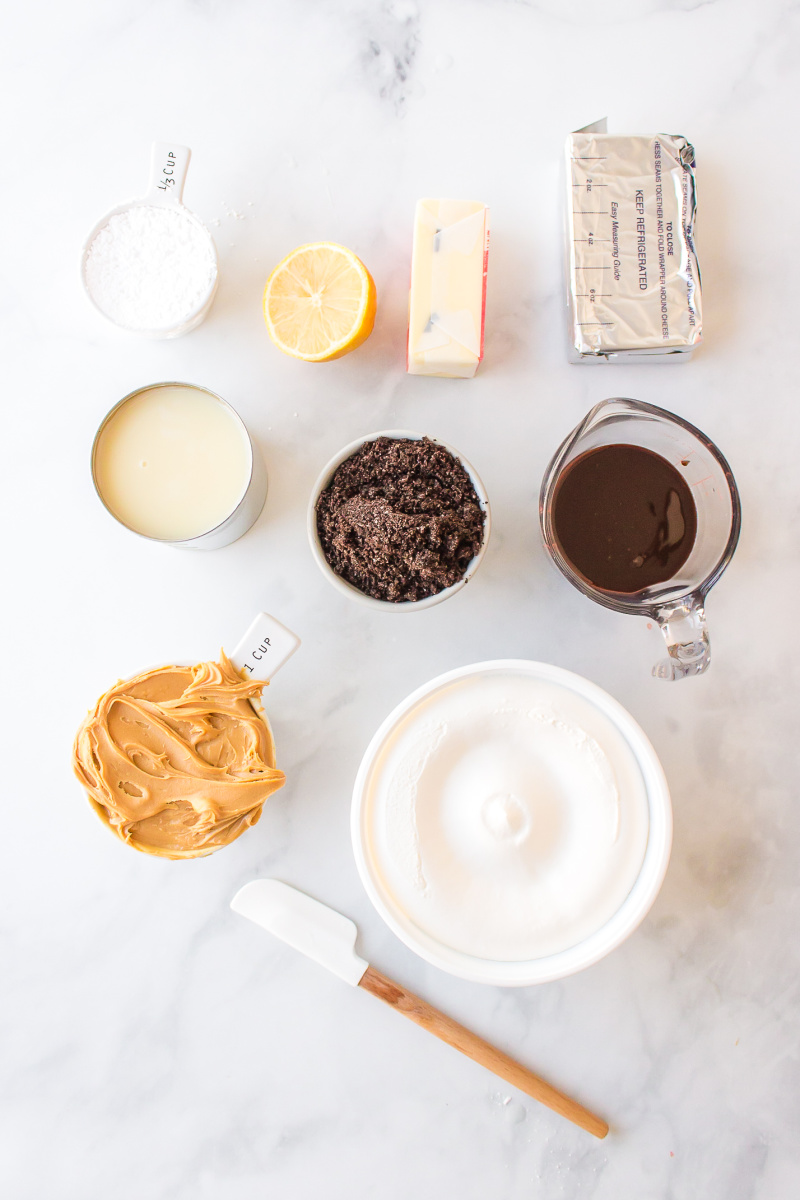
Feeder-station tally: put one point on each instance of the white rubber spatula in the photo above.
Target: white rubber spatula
(329, 939)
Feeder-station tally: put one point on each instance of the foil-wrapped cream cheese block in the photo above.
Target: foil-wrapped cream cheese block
(632, 275)
(447, 299)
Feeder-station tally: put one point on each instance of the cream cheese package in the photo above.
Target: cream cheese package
(633, 281)
(447, 297)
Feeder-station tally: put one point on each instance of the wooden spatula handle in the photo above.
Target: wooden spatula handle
(476, 1048)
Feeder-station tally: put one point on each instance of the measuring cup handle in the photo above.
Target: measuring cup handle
(264, 648)
(686, 634)
(169, 163)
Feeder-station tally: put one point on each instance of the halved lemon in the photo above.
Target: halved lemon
(319, 302)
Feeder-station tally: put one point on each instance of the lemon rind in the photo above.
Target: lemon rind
(351, 340)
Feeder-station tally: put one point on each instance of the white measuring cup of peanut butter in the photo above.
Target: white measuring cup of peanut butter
(177, 782)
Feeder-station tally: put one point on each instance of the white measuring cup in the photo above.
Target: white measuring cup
(169, 163)
(260, 653)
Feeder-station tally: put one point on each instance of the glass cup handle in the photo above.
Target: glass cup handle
(686, 634)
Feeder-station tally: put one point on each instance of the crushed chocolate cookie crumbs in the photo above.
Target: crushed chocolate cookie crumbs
(400, 519)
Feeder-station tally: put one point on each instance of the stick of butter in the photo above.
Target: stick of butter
(447, 300)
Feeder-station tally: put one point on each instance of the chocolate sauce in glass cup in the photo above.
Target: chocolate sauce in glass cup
(641, 512)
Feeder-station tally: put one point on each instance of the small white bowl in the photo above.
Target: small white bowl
(602, 941)
(324, 478)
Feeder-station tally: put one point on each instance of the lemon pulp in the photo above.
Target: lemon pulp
(319, 302)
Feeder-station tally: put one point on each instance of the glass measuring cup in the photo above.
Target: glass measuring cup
(677, 604)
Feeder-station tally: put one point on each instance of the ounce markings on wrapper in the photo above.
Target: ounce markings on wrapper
(150, 269)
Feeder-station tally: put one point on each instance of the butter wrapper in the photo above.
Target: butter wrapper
(633, 281)
(447, 298)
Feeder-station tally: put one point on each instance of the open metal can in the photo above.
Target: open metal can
(175, 463)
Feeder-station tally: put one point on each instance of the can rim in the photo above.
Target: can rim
(195, 387)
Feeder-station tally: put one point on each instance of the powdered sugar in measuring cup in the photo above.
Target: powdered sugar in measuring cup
(150, 265)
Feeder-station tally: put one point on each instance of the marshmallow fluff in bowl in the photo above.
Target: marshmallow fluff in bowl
(511, 822)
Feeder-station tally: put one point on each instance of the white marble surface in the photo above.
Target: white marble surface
(154, 1045)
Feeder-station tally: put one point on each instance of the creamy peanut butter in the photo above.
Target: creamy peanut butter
(176, 761)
